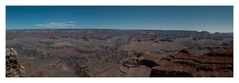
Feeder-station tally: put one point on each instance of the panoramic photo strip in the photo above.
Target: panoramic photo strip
(119, 41)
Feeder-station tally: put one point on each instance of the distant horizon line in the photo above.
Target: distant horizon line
(110, 29)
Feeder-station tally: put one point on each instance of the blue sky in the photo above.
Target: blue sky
(200, 18)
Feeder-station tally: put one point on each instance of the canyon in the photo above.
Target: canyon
(121, 53)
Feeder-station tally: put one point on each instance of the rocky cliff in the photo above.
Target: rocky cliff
(217, 63)
(13, 68)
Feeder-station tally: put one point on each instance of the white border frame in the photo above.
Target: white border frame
(4, 3)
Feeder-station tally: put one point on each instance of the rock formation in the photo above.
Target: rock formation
(218, 63)
(13, 68)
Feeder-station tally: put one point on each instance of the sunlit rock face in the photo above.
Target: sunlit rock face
(13, 68)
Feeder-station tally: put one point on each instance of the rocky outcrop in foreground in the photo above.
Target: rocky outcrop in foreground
(13, 68)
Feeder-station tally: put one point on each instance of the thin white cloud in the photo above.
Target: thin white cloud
(68, 24)
(71, 22)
